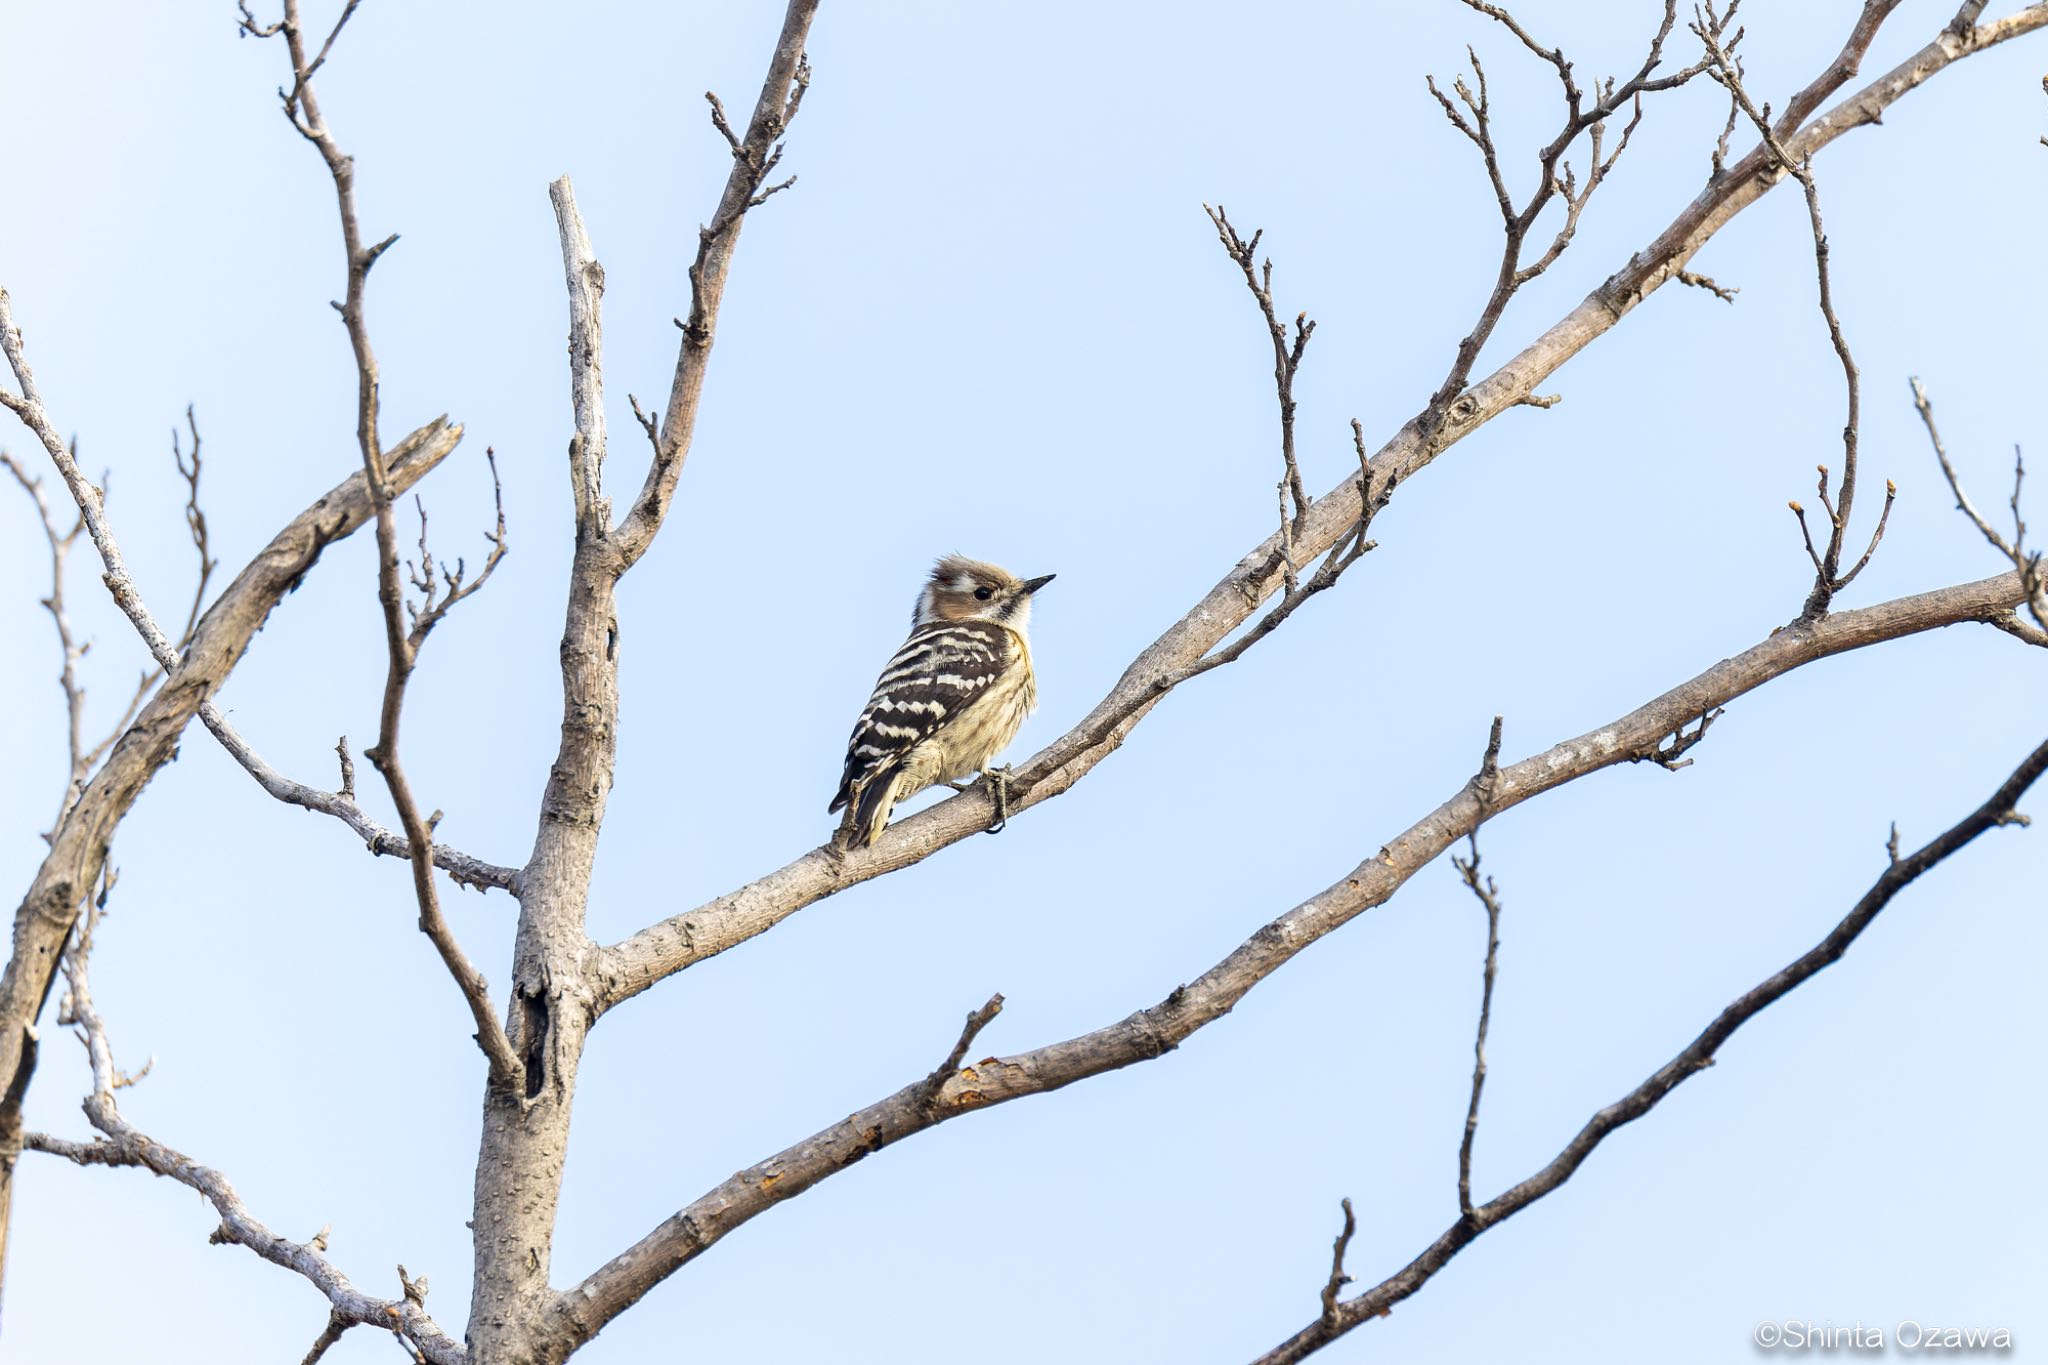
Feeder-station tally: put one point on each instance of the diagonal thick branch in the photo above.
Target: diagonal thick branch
(1694, 1058)
(580, 1312)
(690, 936)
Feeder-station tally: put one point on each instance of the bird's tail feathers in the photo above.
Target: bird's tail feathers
(877, 799)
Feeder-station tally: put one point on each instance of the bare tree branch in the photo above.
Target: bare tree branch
(1555, 179)
(97, 1152)
(585, 283)
(1828, 576)
(1286, 361)
(1690, 1061)
(466, 870)
(431, 577)
(754, 157)
(1334, 1286)
(1488, 895)
(1725, 293)
(2028, 563)
(70, 651)
(122, 1144)
(977, 1020)
(28, 406)
(689, 936)
(195, 521)
(302, 107)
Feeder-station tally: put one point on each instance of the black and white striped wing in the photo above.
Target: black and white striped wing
(940, 670)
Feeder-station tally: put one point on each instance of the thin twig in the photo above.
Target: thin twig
(195, 521)
(430, 613)
(1828, 576)
(1725, 293)
(91, 501)
(1334, 1286)
(69, 650)
(1354, 545)
(1286, 363)
(2027, 563)
(977, 1020)
(1488, 895)
(1720, 22)
(646, 423)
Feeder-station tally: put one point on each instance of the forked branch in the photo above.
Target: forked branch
(2026, 562)
(441, 587)
(1488, 895)
(1471, 116)
(1829, 577)
(1286, 361)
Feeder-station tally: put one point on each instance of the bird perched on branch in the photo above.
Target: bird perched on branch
(947, 701)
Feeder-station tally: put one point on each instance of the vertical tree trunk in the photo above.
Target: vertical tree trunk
(526, 1130)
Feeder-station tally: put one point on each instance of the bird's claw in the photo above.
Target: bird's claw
(999, 791)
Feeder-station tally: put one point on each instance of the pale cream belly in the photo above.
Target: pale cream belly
(977, 735)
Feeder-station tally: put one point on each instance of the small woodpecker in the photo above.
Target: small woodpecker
(948, 700)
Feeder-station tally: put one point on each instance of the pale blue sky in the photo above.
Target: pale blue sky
(991, 317)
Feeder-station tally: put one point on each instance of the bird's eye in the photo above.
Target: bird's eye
(983, 594)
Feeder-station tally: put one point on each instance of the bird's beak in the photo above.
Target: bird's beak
(1032, 585)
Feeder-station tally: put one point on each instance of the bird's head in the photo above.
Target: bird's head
(963, 589)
